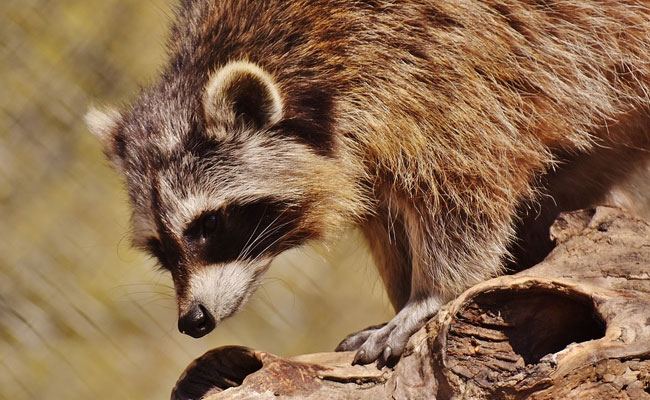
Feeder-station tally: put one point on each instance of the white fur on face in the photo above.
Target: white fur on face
(224, 288)
(264, 169)
(186, 209)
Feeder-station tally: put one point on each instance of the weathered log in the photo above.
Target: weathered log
(575, 326)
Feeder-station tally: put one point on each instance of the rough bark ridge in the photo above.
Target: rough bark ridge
(575, 326)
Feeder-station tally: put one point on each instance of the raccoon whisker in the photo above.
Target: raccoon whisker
(265, 230)
(270, 245)
(253, 233)
(248, 244)
(162, 285)
(148, 292)
(263, 235)
(266, 235)
(261, 253)
(157, 303)
(274, 279)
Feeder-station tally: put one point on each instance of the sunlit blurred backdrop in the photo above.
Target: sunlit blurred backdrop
(82, 315)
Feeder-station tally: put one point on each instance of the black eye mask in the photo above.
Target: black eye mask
(244, 231)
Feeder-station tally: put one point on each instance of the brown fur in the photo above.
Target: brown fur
(435, 125)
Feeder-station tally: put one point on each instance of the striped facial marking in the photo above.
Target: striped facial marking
(221, 255)
(235, 232)
(243, 232)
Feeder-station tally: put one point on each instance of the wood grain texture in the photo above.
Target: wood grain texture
(575, 326)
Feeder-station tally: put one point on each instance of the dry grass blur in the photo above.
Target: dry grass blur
(81, 314)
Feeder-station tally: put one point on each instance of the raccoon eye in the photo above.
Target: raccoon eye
(208, 225)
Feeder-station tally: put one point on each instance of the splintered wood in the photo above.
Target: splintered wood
(575, 326)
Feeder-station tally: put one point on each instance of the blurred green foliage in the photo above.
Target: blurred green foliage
(81, 314)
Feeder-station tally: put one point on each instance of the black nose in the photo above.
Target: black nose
(196, 322)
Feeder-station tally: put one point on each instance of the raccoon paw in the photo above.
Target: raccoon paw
(386, 344)
(354, 340)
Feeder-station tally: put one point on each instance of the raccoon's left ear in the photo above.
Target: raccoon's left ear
(104, 125)
(243, 91)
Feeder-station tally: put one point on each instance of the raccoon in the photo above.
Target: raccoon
(451, 132)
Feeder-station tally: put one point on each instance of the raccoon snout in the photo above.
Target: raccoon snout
(197, 322)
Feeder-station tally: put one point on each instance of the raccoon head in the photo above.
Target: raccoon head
(220, 185)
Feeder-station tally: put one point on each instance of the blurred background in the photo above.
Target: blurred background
(82, 315)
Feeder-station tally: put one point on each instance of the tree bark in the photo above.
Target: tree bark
(575, 326)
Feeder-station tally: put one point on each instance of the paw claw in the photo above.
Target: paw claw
(357, 357)
(386, 354)
(355, 340)
(385, 344)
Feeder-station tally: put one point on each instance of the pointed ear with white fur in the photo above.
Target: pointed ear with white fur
(104, 125)
(243, 92)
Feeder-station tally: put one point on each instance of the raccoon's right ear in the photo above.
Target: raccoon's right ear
(242, 92)
(104, 125)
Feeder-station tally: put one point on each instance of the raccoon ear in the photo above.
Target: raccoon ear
(104, 125)
(243, 91)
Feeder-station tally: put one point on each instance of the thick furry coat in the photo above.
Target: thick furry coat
(436, 126)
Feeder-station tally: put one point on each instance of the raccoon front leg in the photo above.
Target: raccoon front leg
(389, 246)
(423, 302)
(443, 260)
(392, 244)
(388, 240)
